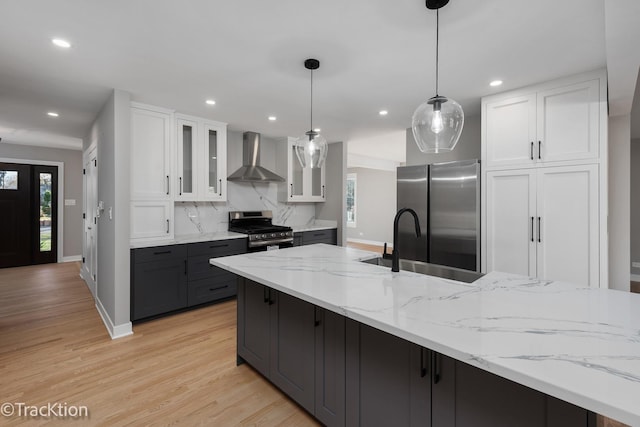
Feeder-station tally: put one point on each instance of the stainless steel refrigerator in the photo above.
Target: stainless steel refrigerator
(446, 197)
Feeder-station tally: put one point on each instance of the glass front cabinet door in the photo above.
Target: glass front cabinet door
(202, 159)
(303, 184)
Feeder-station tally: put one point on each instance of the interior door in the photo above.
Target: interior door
(90, 219)
(15, 208)
(44, 216)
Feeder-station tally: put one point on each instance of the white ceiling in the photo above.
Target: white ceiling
(248, 55)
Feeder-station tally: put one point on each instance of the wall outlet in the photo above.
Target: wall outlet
(635, 264)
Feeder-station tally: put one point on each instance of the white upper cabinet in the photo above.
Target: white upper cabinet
(302, 184)
(510, 127)
(568, 122)
(202, 159)
(151, 150)
(552, 124)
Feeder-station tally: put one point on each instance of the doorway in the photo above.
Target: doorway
(28, 214)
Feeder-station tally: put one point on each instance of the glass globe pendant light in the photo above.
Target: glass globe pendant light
(437, 123)
(311, 148)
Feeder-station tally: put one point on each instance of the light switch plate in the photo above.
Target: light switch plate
(69, 202)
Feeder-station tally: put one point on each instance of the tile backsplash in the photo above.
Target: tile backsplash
(210, 217)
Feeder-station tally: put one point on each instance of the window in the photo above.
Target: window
(351, 200)
(8, 180)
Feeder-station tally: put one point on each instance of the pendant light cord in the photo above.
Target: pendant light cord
(311, 101)
(437, 46)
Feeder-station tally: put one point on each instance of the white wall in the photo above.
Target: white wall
(72, 159)
(468, 146)
(635, 204)
(619, 202)
(375, 205)
(111, 132)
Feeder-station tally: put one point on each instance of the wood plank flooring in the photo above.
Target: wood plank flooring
(176, 370)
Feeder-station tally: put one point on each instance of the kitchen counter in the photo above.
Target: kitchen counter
(191, 238)
(315, 225)
(578, 344)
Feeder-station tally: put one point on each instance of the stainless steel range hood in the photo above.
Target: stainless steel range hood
(251, 171)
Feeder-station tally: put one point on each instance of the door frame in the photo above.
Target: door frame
(60, 210)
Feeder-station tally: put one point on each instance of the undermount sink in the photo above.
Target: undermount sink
(466, 276)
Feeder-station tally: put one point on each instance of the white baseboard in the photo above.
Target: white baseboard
(115, 332)
(369, 242)
(635, 277)
(71, 258)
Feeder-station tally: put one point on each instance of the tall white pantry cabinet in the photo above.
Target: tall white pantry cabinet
(544, 184)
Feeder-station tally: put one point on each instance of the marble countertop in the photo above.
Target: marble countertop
(191, 238)
(578, 344)
(316, 225)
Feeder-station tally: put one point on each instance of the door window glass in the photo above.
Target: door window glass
(45, 212)
(8, 180)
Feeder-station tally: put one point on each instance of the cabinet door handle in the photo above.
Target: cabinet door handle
(540, 150)
(539, 232)
(218, 246)
(323, 196)
(220, 188)
(291, 190)
(167, 185)
(162, 252)
(531, 150)
(271, 301)
(218, 288)
(316, 321)
(265, 295)
(435, 367)
(180, 186)
(185, 267)
(532, 229)
(167, 226)
(423, 364)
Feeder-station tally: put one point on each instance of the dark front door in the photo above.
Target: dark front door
(15, 215)
(28, 214)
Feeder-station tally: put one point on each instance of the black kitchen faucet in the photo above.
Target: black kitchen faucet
(395, 255)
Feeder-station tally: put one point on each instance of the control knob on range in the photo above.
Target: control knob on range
(273, 234)
(264, 236)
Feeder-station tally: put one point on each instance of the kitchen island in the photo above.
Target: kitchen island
(575, 344)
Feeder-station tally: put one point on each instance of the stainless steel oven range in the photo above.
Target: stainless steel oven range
(261, 232)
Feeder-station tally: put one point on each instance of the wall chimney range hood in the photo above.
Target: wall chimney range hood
(251, 171)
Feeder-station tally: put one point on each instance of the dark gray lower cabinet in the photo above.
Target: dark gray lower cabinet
(329, 237)
(387, 379)
(466, 396)
(293, 344)
(349, 374)
(173, 277)
(330, 368)
(159, 281)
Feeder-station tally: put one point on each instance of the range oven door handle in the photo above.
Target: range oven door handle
(270, 242)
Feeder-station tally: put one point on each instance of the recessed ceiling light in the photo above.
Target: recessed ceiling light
(272, 118)
(210, 102)
(317, 130)
(53, 114)
(383, 112)
(495, 83)
(61, 43)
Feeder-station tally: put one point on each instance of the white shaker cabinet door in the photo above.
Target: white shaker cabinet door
(568, 122)
(150, 154)
(509, 131)
(568, 224)
(510, 210)
(151, 220)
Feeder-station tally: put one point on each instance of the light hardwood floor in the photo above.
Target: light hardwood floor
(366, 247)
(176, 370)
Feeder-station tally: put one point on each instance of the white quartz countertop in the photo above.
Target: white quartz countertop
(316, 225)
(191, 238)
(578, 344)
